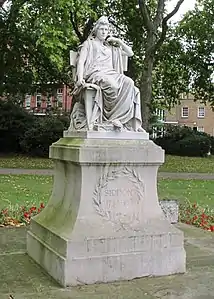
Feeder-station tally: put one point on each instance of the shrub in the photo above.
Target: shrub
(212, 145)
(183, 141)
(49, 129)
(14, 121)
(194, 146)
(177, 132)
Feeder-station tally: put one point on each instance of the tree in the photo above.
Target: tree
(186, 59)
(196, 33)
(146, 26)
(35, 39)
(166, 61)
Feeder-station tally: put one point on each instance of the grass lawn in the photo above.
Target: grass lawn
(172, 164)
(32, 190)
(24, 189)
(188, 164)
(25, 162)
(196, 191)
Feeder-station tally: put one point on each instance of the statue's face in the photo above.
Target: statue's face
(102, 32)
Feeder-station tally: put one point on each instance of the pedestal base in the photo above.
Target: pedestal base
(103, 222)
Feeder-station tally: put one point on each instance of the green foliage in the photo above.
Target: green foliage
(36, 36)
(185, 62)
(14, 121)
(171, 76)
(21, 132)
(194, 145)
(37, 139)
(196, 32)
(35, 40)
(183, 141)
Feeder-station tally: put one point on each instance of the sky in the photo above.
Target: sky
(185, 6)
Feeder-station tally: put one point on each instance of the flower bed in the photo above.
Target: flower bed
(189, 213)
(196, 215)
(18, 216)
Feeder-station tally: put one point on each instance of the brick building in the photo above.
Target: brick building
(40, 103)
(192, 114)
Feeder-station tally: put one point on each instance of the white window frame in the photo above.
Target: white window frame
(38, 95)
(27, 101)
(182, 112)
(60, 100)
(200, 129)
(49, 101)
(59, 91)
(199, 114)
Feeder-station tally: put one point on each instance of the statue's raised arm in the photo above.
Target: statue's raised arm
(105, 96)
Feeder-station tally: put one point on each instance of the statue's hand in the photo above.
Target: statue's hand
(113, 39)
(80, 83)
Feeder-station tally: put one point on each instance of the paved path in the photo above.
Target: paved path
(168, 175)
(23, 279)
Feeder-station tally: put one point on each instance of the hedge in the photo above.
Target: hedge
(14, 121)
(24, 133)
(46, 130)
(183, 141)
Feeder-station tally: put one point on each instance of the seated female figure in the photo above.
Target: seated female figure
(99, 64)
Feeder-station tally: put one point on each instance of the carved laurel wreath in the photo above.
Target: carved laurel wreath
(106, 178)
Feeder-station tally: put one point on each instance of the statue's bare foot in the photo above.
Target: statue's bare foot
(116, 123)
(140, 129)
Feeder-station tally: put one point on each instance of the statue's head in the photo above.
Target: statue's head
(101, 28)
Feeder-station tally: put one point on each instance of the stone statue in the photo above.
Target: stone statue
(114, 101)
(104, 212)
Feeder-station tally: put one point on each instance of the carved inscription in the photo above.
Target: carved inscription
(118, 196)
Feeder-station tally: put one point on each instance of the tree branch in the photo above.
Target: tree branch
(174, 11)
(88, 28)
(145, 14)
(165, 26)
(74, 24)
(159, 14)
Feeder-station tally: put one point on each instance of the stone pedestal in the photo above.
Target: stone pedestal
(103, 221)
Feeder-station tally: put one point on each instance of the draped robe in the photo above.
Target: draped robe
(116, 96)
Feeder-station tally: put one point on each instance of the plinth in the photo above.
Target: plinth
(103, 221)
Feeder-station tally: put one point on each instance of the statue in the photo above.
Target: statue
(114, 100)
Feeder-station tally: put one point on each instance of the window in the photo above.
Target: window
(38, 100)
(160, 114)
(200, 129)
(48, 101)
(27, 101)
(59, 101)
(185, 112)
(59, 91)
(201, 111)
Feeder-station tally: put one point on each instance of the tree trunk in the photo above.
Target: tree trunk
(146, 83)
(146, 90)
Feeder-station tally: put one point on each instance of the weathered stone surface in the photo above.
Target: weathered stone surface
(104, 95)
(111, 134)
(170, 209)
(24, 279)
(104, 215)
